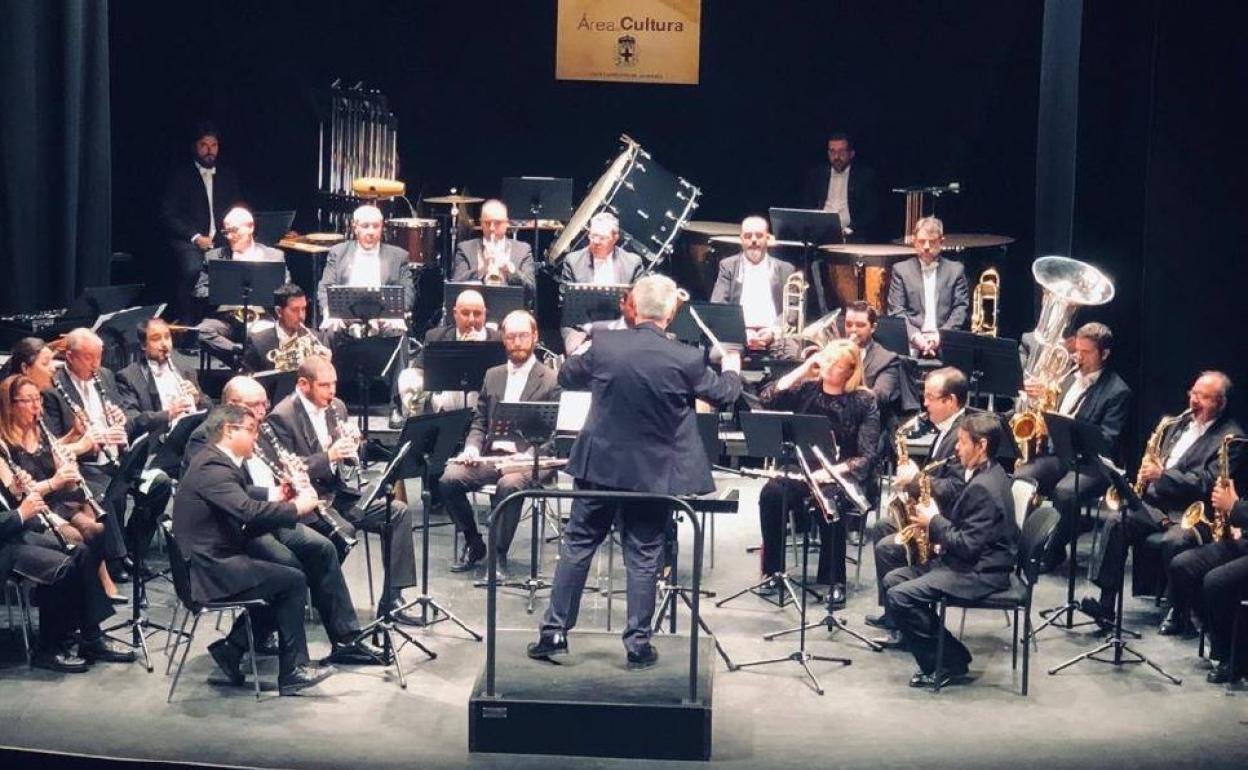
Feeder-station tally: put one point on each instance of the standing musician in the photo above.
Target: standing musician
(522, 378)
(1093, 394)
(215, 509)
(84, 397)
(601, 263)
(830, 384)
(976, 538)
(754, 280)
(641, 435)
(312, 422)
(366, 261)
(944, 401)
(290, 309)
(846, 187)
(927, 291)
(218, 333)
(494, 258)
(1184, 473)
(69, 595)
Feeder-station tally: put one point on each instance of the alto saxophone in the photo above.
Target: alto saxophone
(914, 535)
(897, 506)
(1195, 518)
(1152, 454)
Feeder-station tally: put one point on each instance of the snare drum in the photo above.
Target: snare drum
(418, 236)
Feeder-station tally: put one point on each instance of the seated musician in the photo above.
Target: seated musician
(468, 316)
(881, 368)
(944, 403)
(290, 309)
(754, 280)
(85, 404)
(365, 261)
(1184, 473)
(71, 600)
(1212, 580)
(213, 509)
(494, 258)
(602, 262)
(829, 383)
(313, 423)
(1093, 394)
(522, 378)
(973, 542)
(218, 333)
(34, 358)
(929, 292)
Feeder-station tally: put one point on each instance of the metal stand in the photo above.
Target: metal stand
(535, 582)
(138, 623)
(671, 591)
(1053, 615)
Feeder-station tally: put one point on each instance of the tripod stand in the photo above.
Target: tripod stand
(1115, 641)
(671, 591)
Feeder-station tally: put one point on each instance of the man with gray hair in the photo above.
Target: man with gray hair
(633, 441)
(600, 263)
(365, 261)
(929, 292)
(494, 258)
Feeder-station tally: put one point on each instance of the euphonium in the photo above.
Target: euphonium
(793, 306)
(1152, 454)
(984, 303)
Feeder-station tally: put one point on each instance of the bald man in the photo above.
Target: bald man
(365, 261)
(494, 253)
(468, 317)
(754, 280)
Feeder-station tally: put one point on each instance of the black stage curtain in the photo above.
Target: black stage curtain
(55, 199)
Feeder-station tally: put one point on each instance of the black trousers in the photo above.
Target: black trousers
(773, 519)
(149, 506)
(458, 480)
(642, 530)
(1132, 528)
(67, 588)
(309, 551)
(1211, 580)
(911, 596)
(285, 590)
(889, 555)
(396, 537)
(1056, 483)
(187, 260)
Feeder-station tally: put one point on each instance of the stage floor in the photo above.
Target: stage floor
(1088, 716)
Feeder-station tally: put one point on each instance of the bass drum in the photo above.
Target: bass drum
(652, 205)
(419, 237)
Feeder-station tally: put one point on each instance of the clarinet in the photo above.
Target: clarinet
(288, 468)
(80, 413)
(64, 456)
(25, 484)
(105, 404)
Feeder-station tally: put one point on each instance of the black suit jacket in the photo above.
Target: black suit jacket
(1105, 405)
(293, 427)
(184, 205)
(468, 254)
(881, 371)
(341, 258)
(1191, 479)
(948, 480)
(141, 401)
(578, 267)
(905, 295)
(641, 433)
(863, 195)
(978, 535)
(212, 507)
(447, 334)
(729, 285)
(59, 415)
(541, 385)
(260, 343)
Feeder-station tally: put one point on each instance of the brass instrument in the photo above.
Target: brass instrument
(290, 468)
(984, 307)
(1068, 284)
(65, 456)
(290, 355)
(493, 273)
(252, 315)
(1152, 454)
(1195, 518)
(793, 305)
(818, 333)
(897, 506)
(23, 485)
(913, 536)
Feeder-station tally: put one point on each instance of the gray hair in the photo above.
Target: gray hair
(366, 213)
(81, 336)
(930, 223)
(605, 218)
(655, 298)
(1224, 382)
(237, 387)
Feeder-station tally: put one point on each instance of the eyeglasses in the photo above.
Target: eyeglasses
(31, 400)
(249, 427)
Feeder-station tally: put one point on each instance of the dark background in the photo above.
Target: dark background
(932, 91)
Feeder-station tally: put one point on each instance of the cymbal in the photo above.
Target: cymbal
(377, 187)
(707, 227)
(873, 254)
(454, 199)
(963, 241)
(324, 237)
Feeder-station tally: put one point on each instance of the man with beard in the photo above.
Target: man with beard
(755, 281)
(845, 187)
(290, 310)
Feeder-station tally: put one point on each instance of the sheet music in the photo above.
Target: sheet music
(573, 409)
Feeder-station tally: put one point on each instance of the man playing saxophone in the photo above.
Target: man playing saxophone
(1181, 473)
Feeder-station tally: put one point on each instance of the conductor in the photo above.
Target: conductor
(640, 436)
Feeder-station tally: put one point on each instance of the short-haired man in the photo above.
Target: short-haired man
(929, 292)
(522, 378)
(468, 325)
(754, 280)
(602, 262)
(365, 261)
(495, 258)
(844, 186)
(290, 312)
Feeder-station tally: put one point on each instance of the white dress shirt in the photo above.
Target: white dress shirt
(90, 399)
(366, 270)
(929, 295)
(604, 269)
(944, 426)
(838, 195)
(1078, 388)
(517, 378)
(757, 304)
(166, 382)
(1189, 436)
(207, 175)
(320, 420)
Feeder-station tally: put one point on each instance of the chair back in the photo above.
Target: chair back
(1035, 541)
(1024, 493)
(179, 570)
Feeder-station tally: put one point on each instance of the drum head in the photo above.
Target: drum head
(598, 195)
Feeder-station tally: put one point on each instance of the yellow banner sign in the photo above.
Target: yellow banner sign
(629, 41)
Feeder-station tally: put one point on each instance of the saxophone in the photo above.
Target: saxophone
(914, 535)
(1152, 454)
(1195, 518)
(897, 505)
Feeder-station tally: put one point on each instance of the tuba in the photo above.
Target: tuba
(1152, 453)
(1068, 284)
(793, 306)
(290, 355)
(984, 303)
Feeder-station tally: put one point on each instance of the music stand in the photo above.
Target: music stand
(277, 384)
(1130, 501)
(433, 439)
(499, 300)
(168, 457)
(1075, 442)
(543, 197)
(456, 365)
(725, 319)
(116, 328)
(236, 282)
(585, 303)
(361, 356)
(812, 228)
(991, 363)
(365, 303)
(534, 423)
(890, 334)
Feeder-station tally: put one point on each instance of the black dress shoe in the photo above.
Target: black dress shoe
(946, 678)
(547, 647)
(302, 678)
(1103, 615)
(1221, 674)
(61, 661)
(891, 640)
(879, 621)
(120, 575)
(836, 597)
(103, 651)
(1175, 624)
(645, 657)
(119, 598)
(473, 553)
(228, 658)
(357, 653)
(268, 646)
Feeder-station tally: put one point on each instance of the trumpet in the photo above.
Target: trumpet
(494, 255)
(24, 485)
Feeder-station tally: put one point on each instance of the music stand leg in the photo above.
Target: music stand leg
(138, 622)
(430, 608)
(1053, 615)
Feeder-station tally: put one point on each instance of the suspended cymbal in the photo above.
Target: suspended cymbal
(377, 187)
(324, 237)
(964, 241)
(454, 199)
